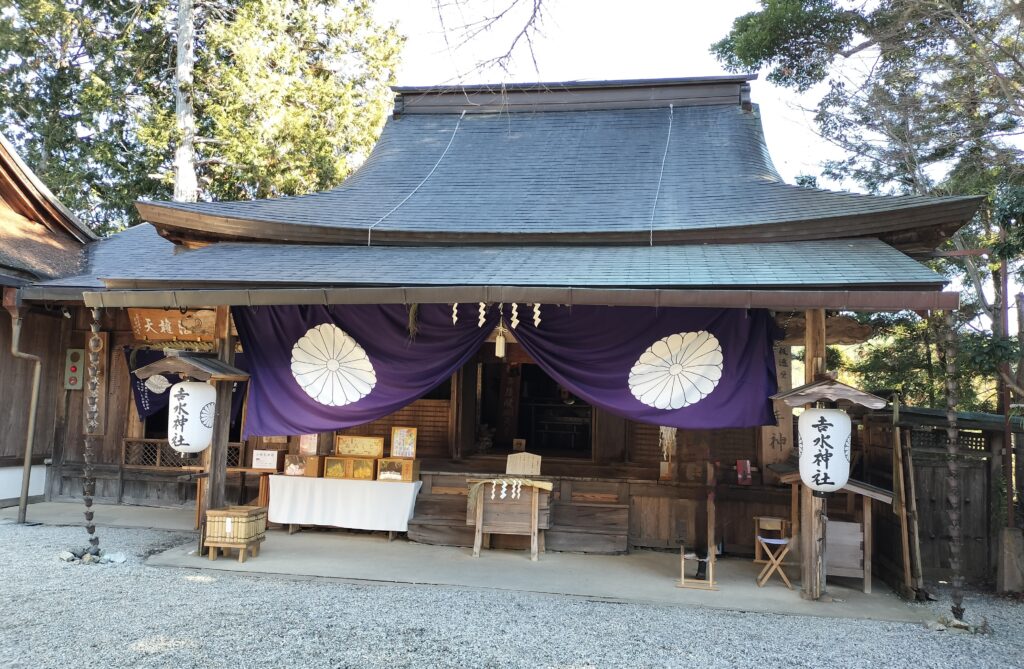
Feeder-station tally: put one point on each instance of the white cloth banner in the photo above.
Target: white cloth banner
(356, 505)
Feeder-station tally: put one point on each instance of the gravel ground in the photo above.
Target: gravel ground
(56, 614)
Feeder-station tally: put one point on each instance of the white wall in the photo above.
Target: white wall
(10, 481)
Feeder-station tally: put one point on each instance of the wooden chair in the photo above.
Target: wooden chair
(775, 557)
(523, 464)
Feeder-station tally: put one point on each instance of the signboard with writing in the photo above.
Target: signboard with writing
(776, 442)
(173, 325)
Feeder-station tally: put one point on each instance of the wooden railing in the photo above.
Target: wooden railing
(158, 454)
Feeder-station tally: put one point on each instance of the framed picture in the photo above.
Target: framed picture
(352, 445)
(518, 445)
(308, 444)
(403, 442)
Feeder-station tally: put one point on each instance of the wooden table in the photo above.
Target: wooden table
(383, 506)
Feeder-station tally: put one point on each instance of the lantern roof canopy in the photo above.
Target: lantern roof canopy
(199, 366)
(829, 389)
(655, 162)
(789, 474)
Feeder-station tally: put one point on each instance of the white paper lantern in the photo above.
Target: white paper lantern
(190, 416)
(824, 436)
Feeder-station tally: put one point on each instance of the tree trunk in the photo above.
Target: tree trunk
(186, 187)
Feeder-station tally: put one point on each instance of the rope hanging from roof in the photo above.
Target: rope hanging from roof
(661, 174)
(369, 230)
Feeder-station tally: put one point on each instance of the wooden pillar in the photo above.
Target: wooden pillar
(218, 458)
(812, 509)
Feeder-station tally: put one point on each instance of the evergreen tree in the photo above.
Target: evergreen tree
(288, 95)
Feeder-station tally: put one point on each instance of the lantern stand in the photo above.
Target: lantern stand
(221, 375)
(824, 437)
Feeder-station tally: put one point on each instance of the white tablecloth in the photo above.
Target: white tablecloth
(356, 505)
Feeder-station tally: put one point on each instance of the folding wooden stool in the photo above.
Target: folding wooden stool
(775, 558)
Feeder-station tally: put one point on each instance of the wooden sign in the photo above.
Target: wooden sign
(173, 325)
(351, 445)
(776, 443)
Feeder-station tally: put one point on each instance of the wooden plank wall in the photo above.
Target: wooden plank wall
(429, 417)
(43, 335)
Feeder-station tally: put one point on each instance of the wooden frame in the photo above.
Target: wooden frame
(403, 443)
(350, 445)
(398, 469)
(709, 583)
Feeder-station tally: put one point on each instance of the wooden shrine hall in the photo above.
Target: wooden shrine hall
(498, 269)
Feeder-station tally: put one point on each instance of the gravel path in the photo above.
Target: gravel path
(56, 614)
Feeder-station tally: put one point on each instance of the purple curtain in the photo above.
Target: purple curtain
(676, 367)
(319, 368)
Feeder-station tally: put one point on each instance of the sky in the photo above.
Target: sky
(603, 39)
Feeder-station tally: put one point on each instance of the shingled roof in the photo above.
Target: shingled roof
(662, 162)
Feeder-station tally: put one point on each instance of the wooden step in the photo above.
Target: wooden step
(449, 507)
(598, 518)
(440, 535)
(576, 541)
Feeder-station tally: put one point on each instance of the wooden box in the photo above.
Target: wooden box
(398, 469)
(353, 446)
(304, 465)
(236, 524)
(269, 459)
(362, 469)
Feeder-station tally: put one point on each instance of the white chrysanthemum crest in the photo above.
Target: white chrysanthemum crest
(331, 367)
(677, 371)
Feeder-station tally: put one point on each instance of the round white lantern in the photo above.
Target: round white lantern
(190, 416)
(824, 440)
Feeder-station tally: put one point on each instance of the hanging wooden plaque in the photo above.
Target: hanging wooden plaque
(173, 325)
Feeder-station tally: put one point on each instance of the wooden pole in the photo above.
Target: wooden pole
(812, 525)
(910, 506)
(218, 461)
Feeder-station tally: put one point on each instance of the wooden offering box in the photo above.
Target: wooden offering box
(398, 469)
(352, 446)
(304, 465)
(361, 469)
(240, 527)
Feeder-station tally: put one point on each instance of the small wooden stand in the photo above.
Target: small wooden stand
(709, 582)
(529, 515)
(239, 527)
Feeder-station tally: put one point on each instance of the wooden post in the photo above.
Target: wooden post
(868, 543)
(218, 461)
(812, 525)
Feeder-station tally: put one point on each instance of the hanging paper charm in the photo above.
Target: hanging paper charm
(536, 314)
(515, 316)
(824, 442)
(190, 416)
(455, 313)
(483, 315)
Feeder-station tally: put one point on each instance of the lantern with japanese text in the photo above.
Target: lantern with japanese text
(190, 416)
(824, 438)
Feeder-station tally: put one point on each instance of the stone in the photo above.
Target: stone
(88, 559)
(117, 558)
(935, 626)
(67, 556)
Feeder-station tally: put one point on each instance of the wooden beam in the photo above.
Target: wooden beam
(218, 458)
(812, 531)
